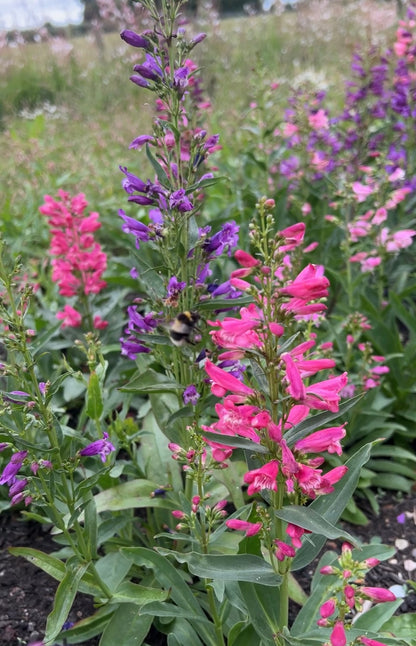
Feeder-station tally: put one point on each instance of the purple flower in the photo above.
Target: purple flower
(11, 469)
(136, 40)
(141, 140)
(138, 229)
(175, 287)
(16, 491)
(99, 447)
(401, 518)
(179, 200)
(190, 395)
(140, 323)
(150, 69)
(131, 347)
(225, 238)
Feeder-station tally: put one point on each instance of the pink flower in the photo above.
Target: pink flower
(295, 532)
(400, 240)
(309, 285)
(223, 381)
(263, 478)
(293, 236)
(380, 595)
(70, 317)
(327, 609)
(318, 120)
(370, 642)
(242, 525)
(349, 594)
(327, 439)
(245, 259)
(324, 395)
(338, 637)
(362, 191)
(283, 550)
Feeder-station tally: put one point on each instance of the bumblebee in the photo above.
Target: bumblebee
(183, 327)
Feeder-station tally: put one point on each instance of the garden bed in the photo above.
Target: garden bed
(26, 593)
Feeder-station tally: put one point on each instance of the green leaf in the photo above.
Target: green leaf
(90, 524)
(332, 505)
(128, 592)
(160, 172)
(64, 598)
(392, 481)
(168, 577)
(183, 632)
(374, 618)
(55, 568)
(112, 568)
(262, 604)
(403, 626)
(89, 627)
(309, 519)
(296, 592)
(131, 495)
(150, 382)
(235, 441)
(127, 626)
(94, 406)
(230, 567)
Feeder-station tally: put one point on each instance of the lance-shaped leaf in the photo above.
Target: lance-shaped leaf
(331, 506)
(230, 567)
(309, 519)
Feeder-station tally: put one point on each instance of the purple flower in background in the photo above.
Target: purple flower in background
(140, 323)
(12, 468)
(401, 518)
(190, 395)
(99, 447)
(16, 491)
(141, 140)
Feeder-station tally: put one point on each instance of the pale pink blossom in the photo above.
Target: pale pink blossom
(362, 191)
(319, 120)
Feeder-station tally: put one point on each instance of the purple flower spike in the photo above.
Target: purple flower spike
(99, 447)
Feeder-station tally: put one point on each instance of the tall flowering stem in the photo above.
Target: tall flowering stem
(273, 337)
(78, 259)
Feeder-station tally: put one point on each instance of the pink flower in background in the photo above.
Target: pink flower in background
(362, 191)
(318, 120)
(79, 262)
(69, 317)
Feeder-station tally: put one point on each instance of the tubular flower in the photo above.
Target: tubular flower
(338, 637)
(99, 447)
(327, 439)
(262, 478)
(223, 381)
(250, 529)
(380, 595)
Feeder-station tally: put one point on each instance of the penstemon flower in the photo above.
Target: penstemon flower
(78, 259)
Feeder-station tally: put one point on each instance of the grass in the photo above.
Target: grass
(70, 116)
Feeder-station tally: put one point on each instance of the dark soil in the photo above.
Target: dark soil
(26, 593)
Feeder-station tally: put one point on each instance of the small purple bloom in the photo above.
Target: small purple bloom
(401, 518)
(99, 447)
(175, 287)
(190, 395)
(197, 39)
(138, 229)
(179, 200)
(140, 81)
(141, 140)
(140, 323)
(131, 347)
(12, 468)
